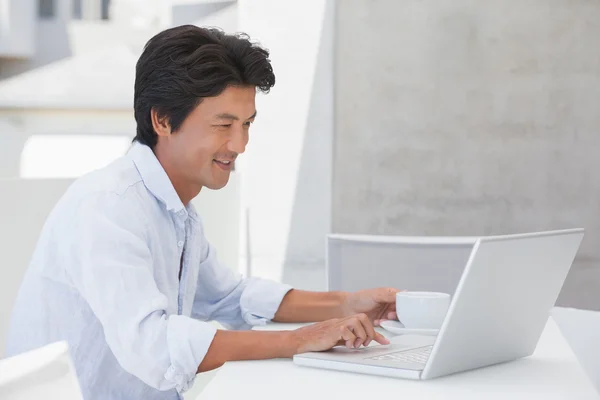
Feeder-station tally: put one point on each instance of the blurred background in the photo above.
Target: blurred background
(391, 117)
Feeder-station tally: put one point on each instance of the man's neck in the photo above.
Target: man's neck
(185, 192)
(183, 189)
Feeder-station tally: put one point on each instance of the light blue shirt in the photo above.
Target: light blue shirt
(105, 278)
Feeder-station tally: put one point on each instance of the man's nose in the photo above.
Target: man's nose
(238, 141)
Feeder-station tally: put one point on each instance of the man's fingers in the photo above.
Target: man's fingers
(392, 315)
(379, 338)
(366, 323)
(356, 325)
(348, 337)
(382, 314)
(385, 311)
(371, 332)
(345, 333)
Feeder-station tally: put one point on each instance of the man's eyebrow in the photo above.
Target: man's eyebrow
(227, 116)
(232, 117)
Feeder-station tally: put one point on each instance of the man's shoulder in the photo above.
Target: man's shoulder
(117, 177)
(119, 185)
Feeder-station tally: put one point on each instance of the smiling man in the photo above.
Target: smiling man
(122, 270)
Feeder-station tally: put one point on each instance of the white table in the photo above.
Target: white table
(552, 372)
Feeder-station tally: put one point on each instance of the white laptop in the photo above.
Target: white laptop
(581, 329)
(498, 312)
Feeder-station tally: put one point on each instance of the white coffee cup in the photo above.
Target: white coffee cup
(422, 310)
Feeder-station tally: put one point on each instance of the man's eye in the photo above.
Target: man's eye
(224, 126)
(248, 123)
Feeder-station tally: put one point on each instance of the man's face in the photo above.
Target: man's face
(204, 149)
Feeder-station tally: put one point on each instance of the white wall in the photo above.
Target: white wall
(136, 12)
(69, 156)
(18, 126)
(287, 166)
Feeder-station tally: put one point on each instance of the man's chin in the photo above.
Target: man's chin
(217, 185)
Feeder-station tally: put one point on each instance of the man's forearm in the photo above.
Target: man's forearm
(296, 306)
(248, 345)
(303, 306)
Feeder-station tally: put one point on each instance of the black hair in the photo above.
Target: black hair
(182, 65)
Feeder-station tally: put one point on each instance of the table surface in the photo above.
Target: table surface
(552, 372)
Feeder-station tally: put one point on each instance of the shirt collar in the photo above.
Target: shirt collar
(155, 178)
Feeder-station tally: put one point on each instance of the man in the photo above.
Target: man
(122, 269)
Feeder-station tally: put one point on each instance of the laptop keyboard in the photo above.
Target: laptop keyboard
(414, 356)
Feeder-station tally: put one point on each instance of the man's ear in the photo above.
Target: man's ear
(160, 123)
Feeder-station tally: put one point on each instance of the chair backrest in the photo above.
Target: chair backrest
(43, 373)
(581, 329)
(220, 214)
(356, 262)
(24, 207)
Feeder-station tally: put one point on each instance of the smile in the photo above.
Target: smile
(226, 165)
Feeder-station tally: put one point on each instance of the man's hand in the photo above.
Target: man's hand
(378, 304)
(301, 306)
(348, 320)
(351, 331)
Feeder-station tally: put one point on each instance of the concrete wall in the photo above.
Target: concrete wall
(17, 28)
(286, 171)
(132, 22)
(470, 118)
(50, 41)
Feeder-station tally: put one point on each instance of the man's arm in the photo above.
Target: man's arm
(301, 306)
(111, 266)
(304, 306)
(224, 296)
(247, 345)
(351, 331)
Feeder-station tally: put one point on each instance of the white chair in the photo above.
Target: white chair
(43, 373)
(581, 329)
(24, 207)
(356, 262)
(220, 214)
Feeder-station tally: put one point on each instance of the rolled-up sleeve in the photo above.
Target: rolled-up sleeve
(237, 303)
(112, 270)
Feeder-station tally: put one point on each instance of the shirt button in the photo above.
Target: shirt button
(180, 243)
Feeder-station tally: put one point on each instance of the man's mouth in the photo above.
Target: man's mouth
(226, 165)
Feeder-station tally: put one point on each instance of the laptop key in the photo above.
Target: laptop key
(413, 356)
